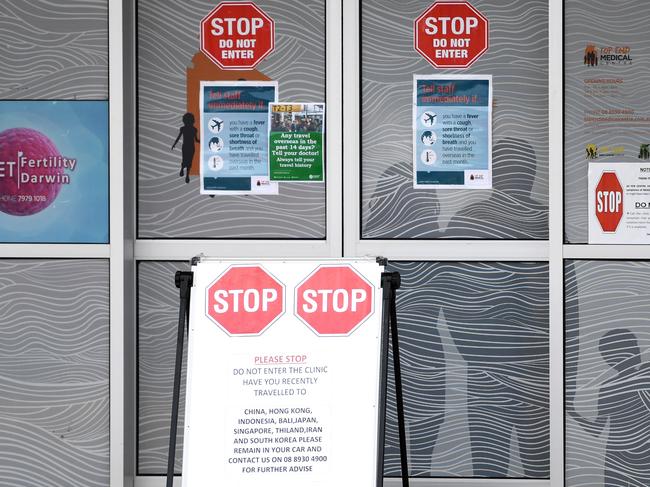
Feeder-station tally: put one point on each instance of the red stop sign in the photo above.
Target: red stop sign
(609, 202)
(334, 300)
(245, 300)
(451, 34)
(237, 35)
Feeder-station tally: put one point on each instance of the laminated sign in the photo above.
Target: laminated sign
(619, 203)
(452, 131)
(283, 384)
(451, 34)
(296, 142)
(237, 35)
(234, 137)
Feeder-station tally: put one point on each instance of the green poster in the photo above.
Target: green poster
(296, 142)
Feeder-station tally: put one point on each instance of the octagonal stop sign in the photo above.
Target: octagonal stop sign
(237, 35)
(245, 300)
(609, 201)
(451, 34)
(334, 300)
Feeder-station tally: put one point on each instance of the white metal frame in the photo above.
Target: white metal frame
(402, 249)
(556, 240)
(330, 246)
(552, 251)
(117, 390)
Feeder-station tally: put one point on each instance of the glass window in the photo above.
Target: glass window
(54, 372)
(169, 67)
(158, 302)
(54, 53)
(517, 206)
(474, 356)
(607, 376)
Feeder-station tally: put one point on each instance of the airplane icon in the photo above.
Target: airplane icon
(429, 118)
(216, 125)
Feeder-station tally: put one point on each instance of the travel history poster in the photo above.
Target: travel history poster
(296, 142)
(234, 137)
(452, 131)
(53, 171)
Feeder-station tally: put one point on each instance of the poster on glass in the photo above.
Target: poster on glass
(234, 137)
(452, 131)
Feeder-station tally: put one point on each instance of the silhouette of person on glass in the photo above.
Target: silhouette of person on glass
(502, 356)
(623, 407)
(503, 340)
(189, 133)
(510, 212)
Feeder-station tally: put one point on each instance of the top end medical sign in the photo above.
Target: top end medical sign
(237, 35)
(451, 34)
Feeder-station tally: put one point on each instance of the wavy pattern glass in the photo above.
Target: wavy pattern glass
(50, 52)
(517, 206)
(158, 302)
(54, 373)
(607, 374)
(602, 93)
(169, 208)
(474, 357)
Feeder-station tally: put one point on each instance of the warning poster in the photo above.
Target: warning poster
(619, 203)
(234, 137)
(284, 364)
(296, 142)
(452, 132)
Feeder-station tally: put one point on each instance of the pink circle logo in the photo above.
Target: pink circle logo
(32, 171)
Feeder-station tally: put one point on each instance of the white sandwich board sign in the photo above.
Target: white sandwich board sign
(284, 380)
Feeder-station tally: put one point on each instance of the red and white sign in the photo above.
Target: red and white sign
(237, 35)
(451, 34)
(245, 300)
(609, 201)
(334, 300)
(619, 202)
(276, 409)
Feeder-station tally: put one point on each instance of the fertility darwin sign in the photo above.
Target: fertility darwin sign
(237, 35)
(451, 34)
